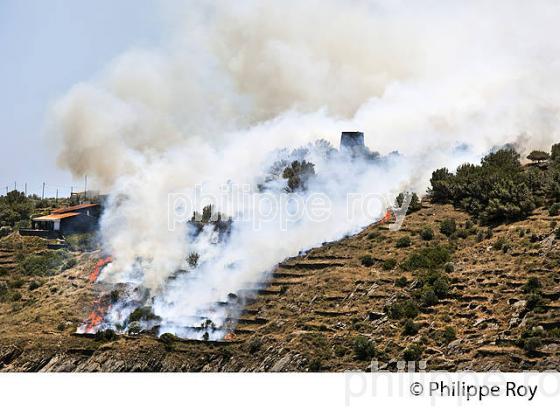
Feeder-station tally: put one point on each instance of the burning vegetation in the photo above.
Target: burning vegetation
(138, 309)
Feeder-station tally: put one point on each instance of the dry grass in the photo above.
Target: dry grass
(329, 299)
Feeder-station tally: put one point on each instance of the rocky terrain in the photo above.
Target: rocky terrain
(333, 309)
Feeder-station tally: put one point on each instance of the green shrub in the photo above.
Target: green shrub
(441, 287)
(45, 264)
(428, 296)
(134, 328)
(389, 264)
(534, 300)
(401, 282)
(373, 235)
(70, 263)
(367, 261)
(499, 244)
(412, 353)
(404, 242)
(432, 257)
(400, 310)
(480, 236)
(340, 351)
(142, 313)
(364, 348)
(410, 328)
(554, 209)
(16, 283)
(192, 260)
(461, 233)
(449, 267)
(532, 344)
(427, 233)
(115, 295)
(107, 335)
(255, 345)
(448, 227)
(554, 333)
(315, 365)
(449, 334)
(168, 340)
(85, 242)
(34, 285)
(533, 284)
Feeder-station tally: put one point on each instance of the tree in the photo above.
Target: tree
(552, 185)
(496, 190)
(324, 148)
(538, 156)
(506, 159)
(15, 207)
(298, 174)
(413, 206)
(537, 181)
(508, 200)
(441, 183)
(555, 153)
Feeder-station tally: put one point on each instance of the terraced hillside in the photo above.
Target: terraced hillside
(493, 305)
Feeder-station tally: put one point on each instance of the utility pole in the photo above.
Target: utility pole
(15, 186)
(43, 194)
(56, 196)
(6, 190)
(26, 189)
(85, 189)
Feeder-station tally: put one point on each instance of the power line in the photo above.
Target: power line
(44, 189)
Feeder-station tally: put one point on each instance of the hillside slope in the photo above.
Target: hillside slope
(329, 310)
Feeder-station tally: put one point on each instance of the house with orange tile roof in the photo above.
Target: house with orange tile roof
(73, 219)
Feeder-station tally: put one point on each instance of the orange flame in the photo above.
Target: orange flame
(101, 263)
(387, 217)
(95, 318)
(229, 337)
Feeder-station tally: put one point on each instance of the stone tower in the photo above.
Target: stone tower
(352, 141)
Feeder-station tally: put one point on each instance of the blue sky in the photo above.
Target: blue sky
(45, 48)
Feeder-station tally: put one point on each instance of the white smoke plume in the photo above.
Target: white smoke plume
(238, 80)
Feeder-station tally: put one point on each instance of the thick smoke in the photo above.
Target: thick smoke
(238, 80)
